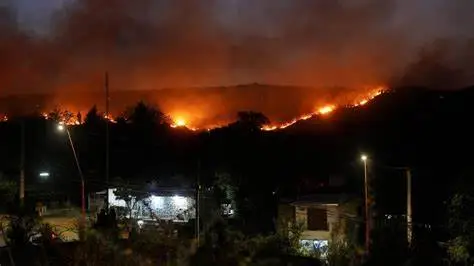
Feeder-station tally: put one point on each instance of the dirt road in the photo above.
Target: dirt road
(64, 226)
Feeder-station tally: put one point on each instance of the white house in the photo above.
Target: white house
(176, 207)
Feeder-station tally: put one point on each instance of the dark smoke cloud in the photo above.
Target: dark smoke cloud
(151, 44)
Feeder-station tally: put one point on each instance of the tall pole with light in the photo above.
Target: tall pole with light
(198, 203)
(107, 138)
(22, 165)
(364, 159)
(63, 128)
(409, 210)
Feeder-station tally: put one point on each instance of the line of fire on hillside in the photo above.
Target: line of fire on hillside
(69, 118)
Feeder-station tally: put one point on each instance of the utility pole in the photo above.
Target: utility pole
(107, 139)
(22, 164)
(409, 210)
(367, 214)
(198, 203)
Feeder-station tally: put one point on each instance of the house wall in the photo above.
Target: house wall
(286, 215)
(301, 216)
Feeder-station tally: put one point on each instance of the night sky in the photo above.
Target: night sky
(429, 15)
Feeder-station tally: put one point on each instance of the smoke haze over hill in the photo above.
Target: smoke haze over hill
(146, 44)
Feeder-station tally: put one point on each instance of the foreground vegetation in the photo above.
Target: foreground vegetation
(100, 246)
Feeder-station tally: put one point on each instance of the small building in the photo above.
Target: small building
(322, 218)
(175, 205)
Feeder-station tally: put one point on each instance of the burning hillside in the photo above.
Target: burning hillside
(204, 112)
(329, 108)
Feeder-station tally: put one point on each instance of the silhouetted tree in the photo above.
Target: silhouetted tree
(8, 190)
(253, 118)
(56, 114)
(249, 120)
(69, 117)
(131, 194)
(461, 226)
(121, 120)
(144, 115)
(93, 117)
(225, 189)
(79, 117)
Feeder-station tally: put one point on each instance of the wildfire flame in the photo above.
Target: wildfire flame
(67, 118)
(179, 122)
(72, 120)
(107, 117)
(327, 109)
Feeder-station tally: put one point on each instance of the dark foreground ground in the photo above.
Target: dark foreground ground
(63, 254)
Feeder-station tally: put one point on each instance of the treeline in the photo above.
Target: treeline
(139, 113)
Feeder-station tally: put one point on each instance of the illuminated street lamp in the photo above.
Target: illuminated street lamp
(62, 127)
(44, 174)
(364, 159)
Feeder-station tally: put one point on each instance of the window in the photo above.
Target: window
(317, 219)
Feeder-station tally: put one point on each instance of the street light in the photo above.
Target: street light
(364, 159)
(44, 174)
(62, 127)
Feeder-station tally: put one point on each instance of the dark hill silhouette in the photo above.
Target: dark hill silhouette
(428, 130)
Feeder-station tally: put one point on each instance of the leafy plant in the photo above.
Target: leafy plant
(461, 226)
(8, 189)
